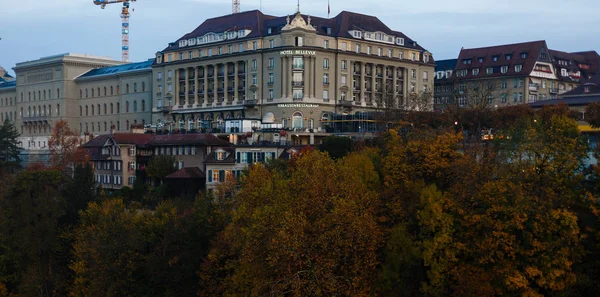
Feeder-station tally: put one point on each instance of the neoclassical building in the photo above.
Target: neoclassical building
(311, 75)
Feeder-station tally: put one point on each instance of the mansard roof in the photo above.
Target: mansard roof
(259, 23)
(531, 49)
(119, 69)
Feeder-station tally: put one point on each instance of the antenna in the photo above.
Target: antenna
(235, 6)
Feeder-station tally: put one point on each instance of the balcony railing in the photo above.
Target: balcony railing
(553, 91)
(270, 83)
(345, 103)
(297, 83)
(165, 108)
(297, 98)
(326, 83)
(249, 102)
(534, 87)
(297, 66)
(36, 118)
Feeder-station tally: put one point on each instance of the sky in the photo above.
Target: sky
(31, 29)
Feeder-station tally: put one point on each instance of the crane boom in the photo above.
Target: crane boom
(124, 24)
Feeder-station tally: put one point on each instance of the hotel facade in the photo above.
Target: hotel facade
(310, 75)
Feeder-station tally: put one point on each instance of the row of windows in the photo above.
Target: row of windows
(176, 150)
(34, 129)
(40, 95)
(108, 165)
(11, 116)
(41, 110)
(208, 52)
(112, 179)
(106, 127)
(110, 90)
(109, 108)
(7, 101)
(222, 175)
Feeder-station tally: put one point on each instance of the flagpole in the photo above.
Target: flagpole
(328, 9)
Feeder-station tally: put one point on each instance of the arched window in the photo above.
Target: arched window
(57, 110)
(143, 87)
(297, 120)
(105, 126)
(87, 127)
(92, 126)
(126, 106)
(118, 125)
(92, 92)
(127, 125)
(29, 111)
(93, 109)
(98, 91)
(104, 91)
(118, 89)
(80, 127)
(99, 111)
(44, 94)
(105, 108)
(49, 110)
(44, 109)
(134, 87)
(39, 95)
(86, 111)
(134, 106)
(111, 109)
(80, 111)
(111, 90)
(57, 93)
(29, 96)
(80, 94)
(143, 105)
(118, 107)
(126, 88)
(86, 93)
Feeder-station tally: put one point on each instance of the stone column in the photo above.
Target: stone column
(306, 77)
(284, 74)
(406, 87)
(215, 83)
(394, 89)
(225, 81)
(373, 90)
(236, 83)
(187, 85)
(196, 86)
(363, 78)
(205, 87)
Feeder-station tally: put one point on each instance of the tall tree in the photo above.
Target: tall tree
(160, 166)
(9, 148)
(63, 145)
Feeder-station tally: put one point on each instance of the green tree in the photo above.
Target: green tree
(9, 148)
(336, 146)
(160, 166)
(80, 192)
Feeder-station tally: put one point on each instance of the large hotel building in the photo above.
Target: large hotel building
(307, 74)
(233, 74)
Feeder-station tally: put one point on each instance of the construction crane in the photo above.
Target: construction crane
(235, 6)
(124, 24)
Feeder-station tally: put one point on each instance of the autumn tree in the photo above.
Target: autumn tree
(9, 148)
(63, 145)
(312, 233)
(336, 146)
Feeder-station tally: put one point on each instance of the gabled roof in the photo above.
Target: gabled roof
(230, 159)
(443, 65)
(188, 139)
(258, 23)
(593, 85)
(120, 69)
(532, 49)
(140, 140)
(187, 173)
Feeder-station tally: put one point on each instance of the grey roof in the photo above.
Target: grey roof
(139, 66)
(443, 65)
(7, 84)
(573, 101)
(258, 23)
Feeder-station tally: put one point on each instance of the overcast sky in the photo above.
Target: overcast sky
(30, 29)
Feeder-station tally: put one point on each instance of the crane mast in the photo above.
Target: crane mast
(235, 6)
(124, 24)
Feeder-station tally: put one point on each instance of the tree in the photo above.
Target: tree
(63, 145)
(160, 166)
(9, 148)
(336, 146)
(80, 192)
(313, 233)
(419, 101)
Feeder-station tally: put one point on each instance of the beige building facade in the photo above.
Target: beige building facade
(295, 72)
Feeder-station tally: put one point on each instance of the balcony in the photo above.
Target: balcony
(326, 84)
(230, 90)
(182, 78)
(355, 90)
(297, 66)
(297, 83)
(191, 92)
(36, 119)
(158, 94)
(356, 73)
(270, 83)
(297, 98)
(165, 108)
(534, 87)
(221, 74)
(230, 74)
(201, 91)
(220, 90)
(553, 91)
(249, 102)
(182, 93)
(242, 73)
(346, 103)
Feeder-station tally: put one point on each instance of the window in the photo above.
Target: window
(126, 107)
(343, 96)
(413, 73)
(504, 84)
(325, 78)
(461, 73)
(508, 57)
(181, 56)
(169, 75)
(343, 80)
(343, 65)
(586, 89)
(379, 51)
(271, 94)
(325, 63)
(400, 55)
(271, 78)
(105, 108)
(480, 59)
(504, 69)
(495, 58)
(466, 61)
(298, 94)
(368, 50)
(358, 48)
(241, 47)
(523, 55)
(326, 44)
(254, 79)
(297, 120)
(254, 64)
(254, 45)
(271, 43)
(271, 63)
(209, 52)
(220, 50)
(93, 109)
(490, 99)
(390, 53)
(489, 70)
(118, 107)
(413, 56)
(134, 105)
(515, 95)
(518, 68)
(344, 46)
(325, 94)
(476, 71)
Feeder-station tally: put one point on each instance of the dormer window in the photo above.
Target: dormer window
(586, 89)
(504, 69)
(466, 61)
(299, 41)
(219, 155)
(489, 70)
(269, 30)
(476, 71)
(495, 58)
(508, 57)
(480, 59)
(518, 68)
(523, 55)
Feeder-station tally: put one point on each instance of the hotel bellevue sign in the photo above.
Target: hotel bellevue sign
(298, 52)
